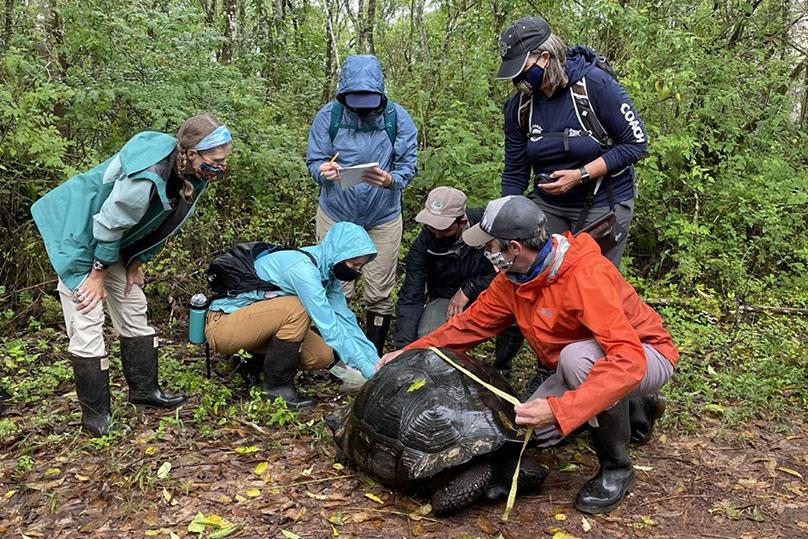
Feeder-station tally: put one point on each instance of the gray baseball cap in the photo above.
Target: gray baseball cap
(512, 217)
(442, 208)
(516, 42)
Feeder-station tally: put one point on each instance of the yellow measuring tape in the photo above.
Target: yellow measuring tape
(509, 398)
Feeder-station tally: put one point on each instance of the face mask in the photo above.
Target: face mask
(363, 113)
(530, 80)
(344, 273)
(442, 244)
(498, 260)
(208, 171)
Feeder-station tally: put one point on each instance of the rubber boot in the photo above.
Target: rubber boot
(280, 365)
(507, 346)
(376, 328)
(610, 441)
(139, 360)
(92, 389)
(643, 412)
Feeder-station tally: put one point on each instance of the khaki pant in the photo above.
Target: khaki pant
(128, 314)
(251, 328)
(379, 273)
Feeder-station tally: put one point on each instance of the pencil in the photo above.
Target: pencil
(333, 158)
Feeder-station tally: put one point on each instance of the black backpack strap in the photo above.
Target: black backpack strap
(586, 114)
(590, 198)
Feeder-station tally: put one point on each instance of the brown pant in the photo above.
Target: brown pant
(251, 328)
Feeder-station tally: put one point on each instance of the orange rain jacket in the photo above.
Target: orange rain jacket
(580, 296)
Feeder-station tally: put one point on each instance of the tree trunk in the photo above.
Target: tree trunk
(8, 23)
(230, 30)
(419, 17)
(370, 23)
(331, 52)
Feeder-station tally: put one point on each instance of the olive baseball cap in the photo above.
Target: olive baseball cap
(516, 42)
(512, 217)
(442, 208)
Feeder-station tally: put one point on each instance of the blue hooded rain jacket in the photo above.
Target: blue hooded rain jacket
(363, 204)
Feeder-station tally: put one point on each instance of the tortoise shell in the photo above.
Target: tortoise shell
(419, 415)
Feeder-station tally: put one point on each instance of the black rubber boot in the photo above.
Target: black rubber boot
(376, 328)
(643, 411)
(280, 365)
(250, 369)
(507, 346)
(610, 440)
(139, 360)
(92, 389)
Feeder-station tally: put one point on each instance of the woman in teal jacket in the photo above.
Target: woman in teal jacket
(277, 324)
(99, 227)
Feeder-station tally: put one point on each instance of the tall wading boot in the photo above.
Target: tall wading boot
(280, 365)
(92, 389)
(507, 346)
(376, 328)
(610, 441)
(643, 411)
(139, 360)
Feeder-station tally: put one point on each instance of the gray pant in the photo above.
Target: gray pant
(575, 362)
(561, 219)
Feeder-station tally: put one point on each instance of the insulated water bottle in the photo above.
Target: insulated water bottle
(196, 318)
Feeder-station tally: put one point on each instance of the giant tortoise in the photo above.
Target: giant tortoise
(421, 425)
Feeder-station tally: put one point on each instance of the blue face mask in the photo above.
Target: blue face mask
(529, 81)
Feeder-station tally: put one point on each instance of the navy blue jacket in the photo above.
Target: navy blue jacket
(545, 155)
(438, 275)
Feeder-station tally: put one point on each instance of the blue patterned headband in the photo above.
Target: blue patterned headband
(217, 137)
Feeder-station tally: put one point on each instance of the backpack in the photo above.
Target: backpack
(390, 121)
(583, 109)
(232, 272)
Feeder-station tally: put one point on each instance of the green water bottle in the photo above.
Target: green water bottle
(196, 318)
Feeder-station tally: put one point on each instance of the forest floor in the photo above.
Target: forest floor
(228, 464)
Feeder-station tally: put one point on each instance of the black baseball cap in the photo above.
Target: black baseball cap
(516, 42)
(362, 100)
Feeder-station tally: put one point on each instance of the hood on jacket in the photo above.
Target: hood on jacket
(361, 73)
(145, 149)
(580, 61)
(344, 240)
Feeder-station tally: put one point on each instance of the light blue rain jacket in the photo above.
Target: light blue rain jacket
(363, 204)
(319, 291)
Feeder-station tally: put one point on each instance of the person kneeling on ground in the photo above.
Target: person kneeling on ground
(583, 320)
(277, 323)
(450, 272)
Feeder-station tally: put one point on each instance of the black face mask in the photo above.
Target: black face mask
(363, 112)
(441, 244)
(344, 273)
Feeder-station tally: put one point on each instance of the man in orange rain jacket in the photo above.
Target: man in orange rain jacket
(583, 320)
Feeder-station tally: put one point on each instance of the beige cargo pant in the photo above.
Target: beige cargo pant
(128, 315)
(380, 273)
(250, 328)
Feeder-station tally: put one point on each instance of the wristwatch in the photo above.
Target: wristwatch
(99, 266)
(584, 174)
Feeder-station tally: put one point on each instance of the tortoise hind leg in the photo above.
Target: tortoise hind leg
(464, 489)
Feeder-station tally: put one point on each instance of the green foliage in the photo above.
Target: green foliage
(720, 214)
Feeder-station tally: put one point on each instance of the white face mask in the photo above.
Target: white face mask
(498, 260)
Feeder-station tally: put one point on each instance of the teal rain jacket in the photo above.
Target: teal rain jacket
(319, 291)
(363, 204)
(115, 211)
